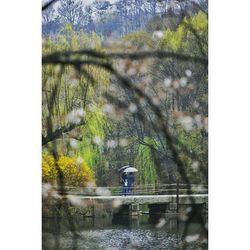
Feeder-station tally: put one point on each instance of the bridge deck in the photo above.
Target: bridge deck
(146, 199)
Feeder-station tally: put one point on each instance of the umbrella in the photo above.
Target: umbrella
(130, 170)
(122, 168)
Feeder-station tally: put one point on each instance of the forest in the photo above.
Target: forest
(118, 17)
(149, 109)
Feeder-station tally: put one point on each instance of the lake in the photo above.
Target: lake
(121, 233)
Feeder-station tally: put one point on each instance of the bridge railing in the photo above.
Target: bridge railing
(161, 189)
(149, 189)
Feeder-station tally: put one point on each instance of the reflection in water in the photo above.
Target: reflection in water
(119, 233)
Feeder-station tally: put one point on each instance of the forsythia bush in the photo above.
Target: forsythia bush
(75, 173)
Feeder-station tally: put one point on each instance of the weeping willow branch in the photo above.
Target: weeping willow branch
(58, 133)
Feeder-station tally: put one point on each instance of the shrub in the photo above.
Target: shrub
(75, 172)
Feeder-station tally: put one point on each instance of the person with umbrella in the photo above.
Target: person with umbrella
(125, 183)
(129, 179)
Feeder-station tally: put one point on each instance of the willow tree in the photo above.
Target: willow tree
(145, 163)
(71, 105)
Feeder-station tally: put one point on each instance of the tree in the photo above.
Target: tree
(71, 11)
(50, 22)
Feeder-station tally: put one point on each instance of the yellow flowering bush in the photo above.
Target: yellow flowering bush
(76, 172)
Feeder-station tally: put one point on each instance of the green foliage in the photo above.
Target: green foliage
(72, 90)
(69, 39)
(94, 128)
(190, 36)
(144, 162)
(139, 38)
(194, 156)
(199, 21)
(174, 39)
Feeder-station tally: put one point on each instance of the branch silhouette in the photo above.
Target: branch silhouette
(58, 133)
(48, 4)
(68, 56)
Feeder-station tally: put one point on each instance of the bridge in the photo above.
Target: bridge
(160, 198)
(157, 204)
(146, 199)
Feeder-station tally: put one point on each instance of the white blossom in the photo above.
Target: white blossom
(79, 160)
(111, 144)
(123, 142)
(188, 73)
(158, 34)
(186, 122)
(97, 140)
(168, 82)
(195, 165)
(73, 143)
(74, 200)
(196, 105)
(46, 188)
(132, 108)
(58, 69)
(75, 116)
(183, 82)
(161, 223)
(156, 100)
(191, 238)
(103, 191)
(198, 121)
(108, 108)
(116, 203)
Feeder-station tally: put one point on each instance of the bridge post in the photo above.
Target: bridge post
(128, 210)
(134, 209)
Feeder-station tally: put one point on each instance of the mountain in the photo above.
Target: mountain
(117, 16)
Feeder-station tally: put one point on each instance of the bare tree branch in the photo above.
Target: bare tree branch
(46, 6)
(58, 133)
(62, 57)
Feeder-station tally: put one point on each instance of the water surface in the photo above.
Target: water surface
(119, 234)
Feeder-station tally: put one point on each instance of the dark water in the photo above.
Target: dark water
(120, 234)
